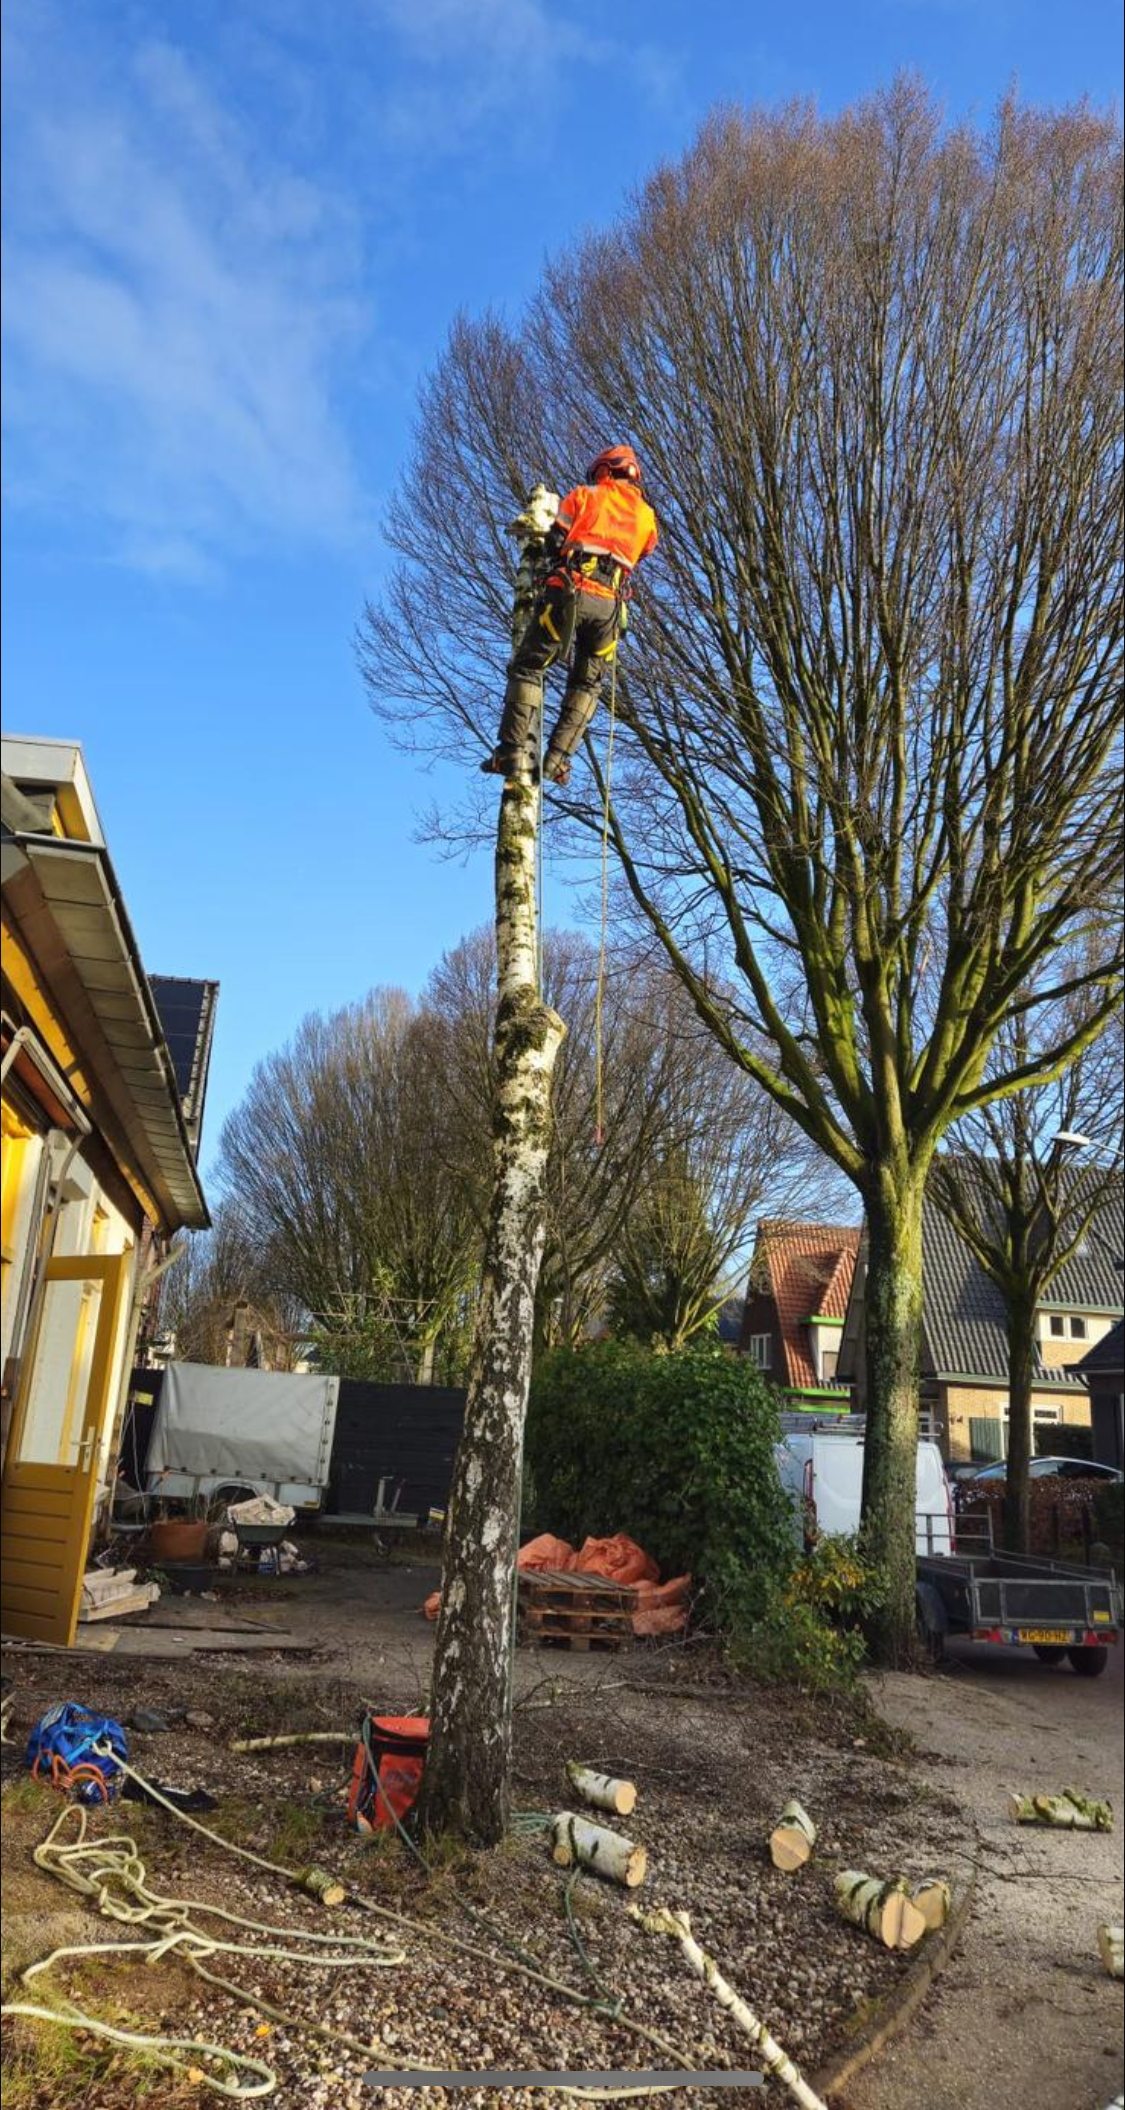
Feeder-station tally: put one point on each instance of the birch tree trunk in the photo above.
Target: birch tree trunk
(465, 1787)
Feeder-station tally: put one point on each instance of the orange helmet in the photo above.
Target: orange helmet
(615, 461)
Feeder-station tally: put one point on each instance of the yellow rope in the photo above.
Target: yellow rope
(111, 1875)
(599, 995)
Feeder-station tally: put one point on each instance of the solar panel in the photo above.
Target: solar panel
(187, 1015)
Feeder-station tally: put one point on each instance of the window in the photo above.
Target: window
(1058, 1326)
(1078, 1329)
(759, 1350)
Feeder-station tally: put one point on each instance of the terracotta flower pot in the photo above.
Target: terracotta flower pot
(177, 1540)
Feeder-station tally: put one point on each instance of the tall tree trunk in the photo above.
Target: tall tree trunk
(466, 1783)
(893, 1337)
(1021, 1364)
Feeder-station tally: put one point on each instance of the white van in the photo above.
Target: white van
(821, 1469)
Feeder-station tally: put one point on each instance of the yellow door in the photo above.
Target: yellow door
(50, 1472)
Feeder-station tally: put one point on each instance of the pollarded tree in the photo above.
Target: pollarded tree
(1028, 1183)
(867, 787)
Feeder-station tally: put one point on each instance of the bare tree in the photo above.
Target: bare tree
(1027, 1182)
(340, 1191)
(868, 785)
(666, 1092)
(220, 1271)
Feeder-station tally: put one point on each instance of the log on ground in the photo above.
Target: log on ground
(593, 1846)
(884, 1909)
(792, 1838)
(1070, 1812)
(601, 1790)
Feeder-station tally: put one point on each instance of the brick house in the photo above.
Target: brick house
(796, 1298)
(964, 1361)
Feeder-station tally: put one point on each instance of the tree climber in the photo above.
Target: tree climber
(603, 529)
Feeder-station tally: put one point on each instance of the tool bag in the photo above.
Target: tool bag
(387, 1772)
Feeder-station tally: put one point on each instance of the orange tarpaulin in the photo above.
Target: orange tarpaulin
(619, 1559)
(546, 1552)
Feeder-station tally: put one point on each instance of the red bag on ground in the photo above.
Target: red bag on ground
(618, 1559)
(546, 1553)
(387, 1772)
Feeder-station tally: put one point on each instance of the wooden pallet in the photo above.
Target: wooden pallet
(574, 1611)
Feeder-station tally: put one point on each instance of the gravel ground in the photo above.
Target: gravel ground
(712, 1774)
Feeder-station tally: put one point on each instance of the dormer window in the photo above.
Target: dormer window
(1058, 1326)
(1077, 1329)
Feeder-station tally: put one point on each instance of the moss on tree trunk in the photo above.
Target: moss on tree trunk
(1021, 1356)
(466, 1782)
(893, 1350)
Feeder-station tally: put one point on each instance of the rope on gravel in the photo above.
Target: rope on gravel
(109, 1873)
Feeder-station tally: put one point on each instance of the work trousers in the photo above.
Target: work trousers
(562, 616)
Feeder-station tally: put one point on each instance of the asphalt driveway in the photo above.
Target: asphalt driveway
(1024, 2013)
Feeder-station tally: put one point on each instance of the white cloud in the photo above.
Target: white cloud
(180, 309)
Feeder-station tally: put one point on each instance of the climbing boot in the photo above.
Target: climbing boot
(556, 767)
(500, 763)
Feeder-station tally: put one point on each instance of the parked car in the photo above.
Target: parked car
(821, 1469)
(1045, 1469)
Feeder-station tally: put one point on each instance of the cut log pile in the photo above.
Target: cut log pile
(112, 1593)
(1069, 1812)
(1111, 1949)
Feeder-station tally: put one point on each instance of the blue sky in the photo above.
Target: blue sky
(234, 240)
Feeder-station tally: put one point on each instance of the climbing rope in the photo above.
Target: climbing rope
(599, 993)
(110, 1873)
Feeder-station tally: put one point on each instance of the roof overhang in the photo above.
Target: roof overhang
(64, 902)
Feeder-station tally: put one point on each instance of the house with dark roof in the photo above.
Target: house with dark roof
(793, 1317)
(1102, 1370)
(964, 1364)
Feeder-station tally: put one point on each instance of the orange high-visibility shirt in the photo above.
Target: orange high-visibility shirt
(608, 519)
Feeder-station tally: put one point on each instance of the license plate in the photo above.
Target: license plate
(1053, 1635)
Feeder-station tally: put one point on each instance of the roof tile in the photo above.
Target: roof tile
(810, 1269)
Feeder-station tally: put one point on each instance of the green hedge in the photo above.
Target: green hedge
(676, 1450)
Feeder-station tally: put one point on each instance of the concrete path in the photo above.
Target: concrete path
(1024, 2015)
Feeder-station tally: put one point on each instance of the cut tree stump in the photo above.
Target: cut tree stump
(619, 1797)
(605, 1853)
(1111, 1949)
(1070, 1812)
(884, 1910)
(792, 1838)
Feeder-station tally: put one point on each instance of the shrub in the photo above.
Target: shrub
(812, 1628)
(677, 1450)
(1064, 1439)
